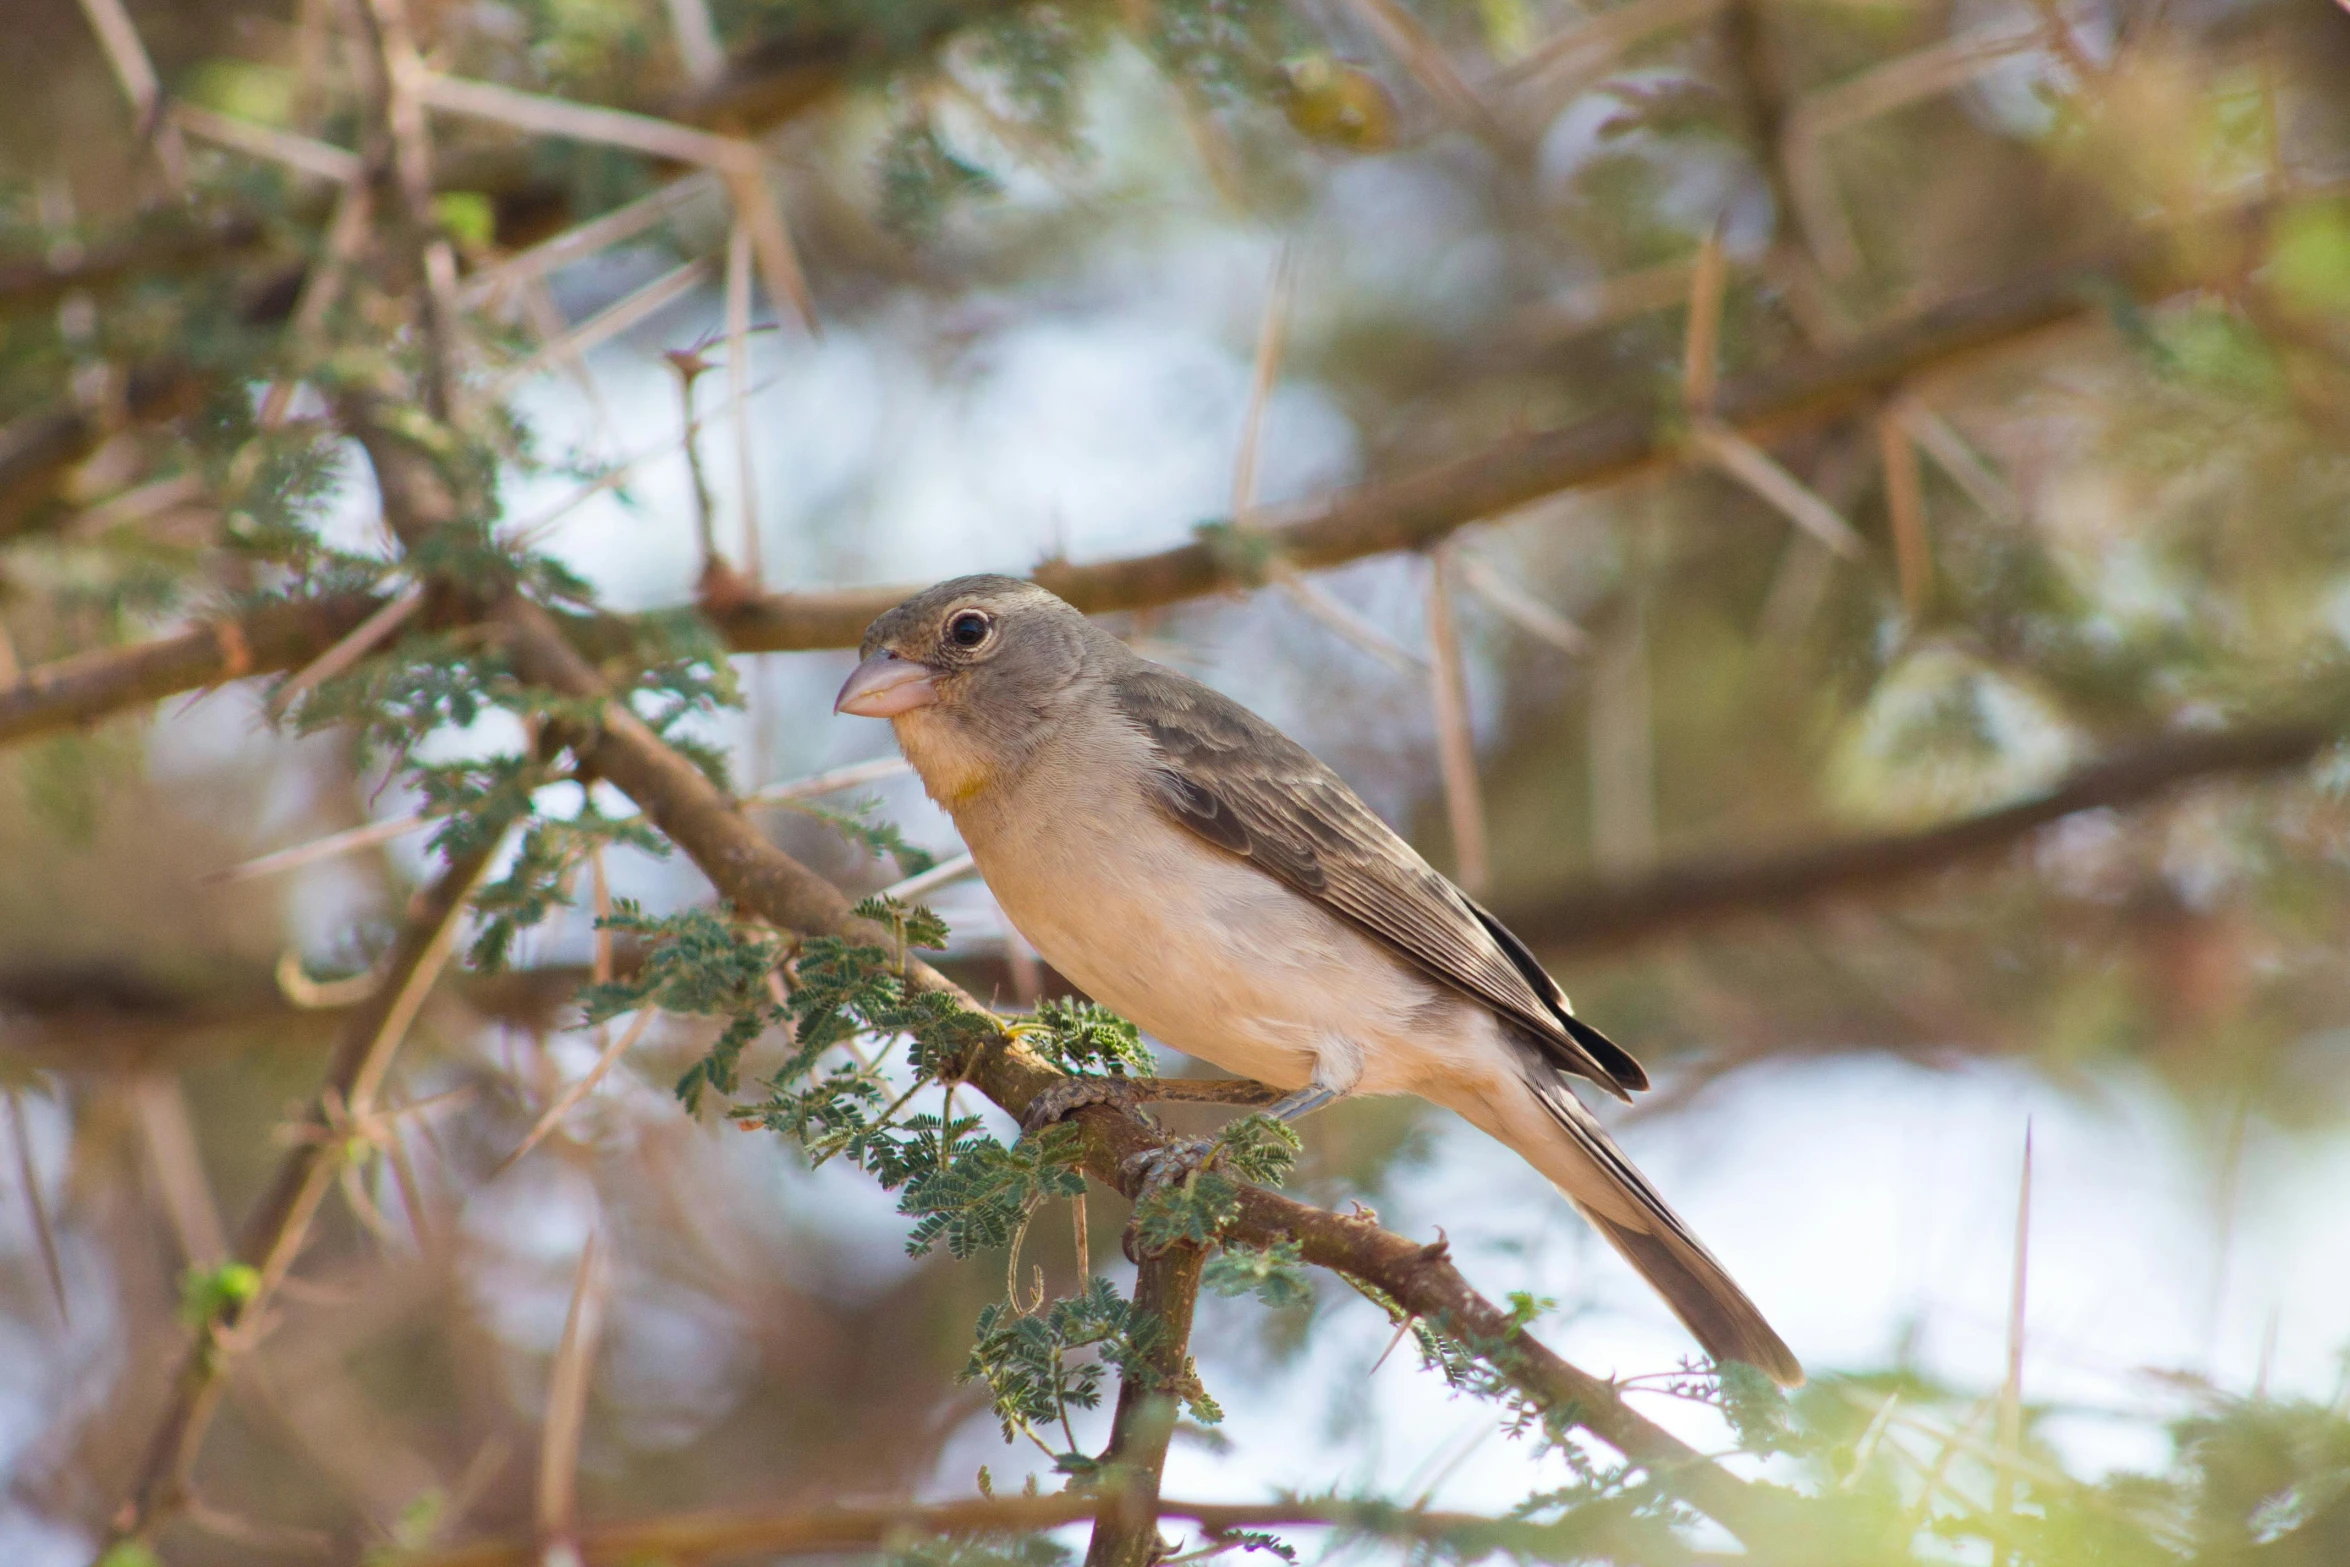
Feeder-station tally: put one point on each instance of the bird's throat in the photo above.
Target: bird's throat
(954, 772)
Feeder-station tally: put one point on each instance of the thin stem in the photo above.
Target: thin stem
(275, 1233)
(1166, 1289)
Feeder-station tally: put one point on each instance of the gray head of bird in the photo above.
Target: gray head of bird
(973, 673)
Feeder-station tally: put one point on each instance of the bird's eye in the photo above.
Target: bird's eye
(968, 629)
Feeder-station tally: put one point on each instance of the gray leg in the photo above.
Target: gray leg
(1305, 1101)
(1179, 1159)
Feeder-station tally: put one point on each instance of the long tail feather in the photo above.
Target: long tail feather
(1554, 1132)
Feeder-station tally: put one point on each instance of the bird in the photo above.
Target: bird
(1195, 870)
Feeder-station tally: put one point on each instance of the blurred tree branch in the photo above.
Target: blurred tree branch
(321, 1142)
(812, 1530)
(1166, 1291)
(1604, 915)
(1409, 511)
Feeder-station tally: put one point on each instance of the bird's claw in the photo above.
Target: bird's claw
(1161, 1167)
(1170, 1162)
(1073, 1094)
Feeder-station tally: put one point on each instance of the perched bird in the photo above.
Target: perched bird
(1196, 870)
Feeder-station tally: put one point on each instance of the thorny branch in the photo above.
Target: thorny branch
(813, 1530)
(1166, 1290)
(1408, 511)
(321, 1141)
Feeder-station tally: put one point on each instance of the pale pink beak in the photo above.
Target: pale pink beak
(884, 686)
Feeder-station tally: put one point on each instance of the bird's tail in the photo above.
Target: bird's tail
(1551, 1130)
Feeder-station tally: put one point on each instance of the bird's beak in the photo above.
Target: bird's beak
(884, 686)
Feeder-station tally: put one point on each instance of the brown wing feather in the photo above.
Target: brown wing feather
(1244, 786)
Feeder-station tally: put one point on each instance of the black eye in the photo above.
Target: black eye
(968, 629)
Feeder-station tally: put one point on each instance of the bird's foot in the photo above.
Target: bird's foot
(1170, 1162)
(1076, 1093)
(1167, 1165)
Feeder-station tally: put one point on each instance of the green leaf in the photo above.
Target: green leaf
(1194, 1211)
(695, 964)
(1258, 1149)
(1032, 1364)
(915, 926)
(1274, 1274)
(976, 1198)
(1086, 1040)
(205, 1294)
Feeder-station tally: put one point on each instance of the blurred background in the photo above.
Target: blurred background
(1833, 517)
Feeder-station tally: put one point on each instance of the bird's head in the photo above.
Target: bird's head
(971, 672)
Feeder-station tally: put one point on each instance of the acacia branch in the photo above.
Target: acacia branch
(761, 879)
(39, 448)
(1415, 510)
(812, 1530)
(90, 686)
(1166, 1291)
(275, 1233)
(1410, 511)
(1604, 914)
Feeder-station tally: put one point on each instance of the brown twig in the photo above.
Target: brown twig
(170, 1134)
(1905, 503)
(1409, 511)
(1166, 1289)
(2011, 1386)
(397, 146)
(28, 1175)
(275, 1232)
(89, 686)
(567, 1393)
(815, 1530)
(1600, 916)
(1456, 745)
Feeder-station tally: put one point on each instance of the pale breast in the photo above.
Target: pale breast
(1203, 950)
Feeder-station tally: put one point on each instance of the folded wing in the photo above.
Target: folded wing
(1242, 785)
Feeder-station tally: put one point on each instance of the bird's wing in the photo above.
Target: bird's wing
(1241, 784)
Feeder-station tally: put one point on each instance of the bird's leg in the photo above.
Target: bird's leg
(1305, 1101)
(1178, 1159)
(1075, 1093)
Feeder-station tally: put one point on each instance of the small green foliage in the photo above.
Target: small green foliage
(857, 823)
(1229, 49)
(1199, 1208)
(129, 1553)
(1274, 1274)
(846, 989)
(913, 925)
(1258, 1149)
(207, 1293)
(700, 964)
(1031, 1363)
(440, 681)
(466, 216)
(1195, 1211)
(2309, 257)
(413, 1531)
(477, 800)
(1035, 54)
(542, 872)
(1086, 1040)
(973, 1193)
(921, 178)
(1755, 1408)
